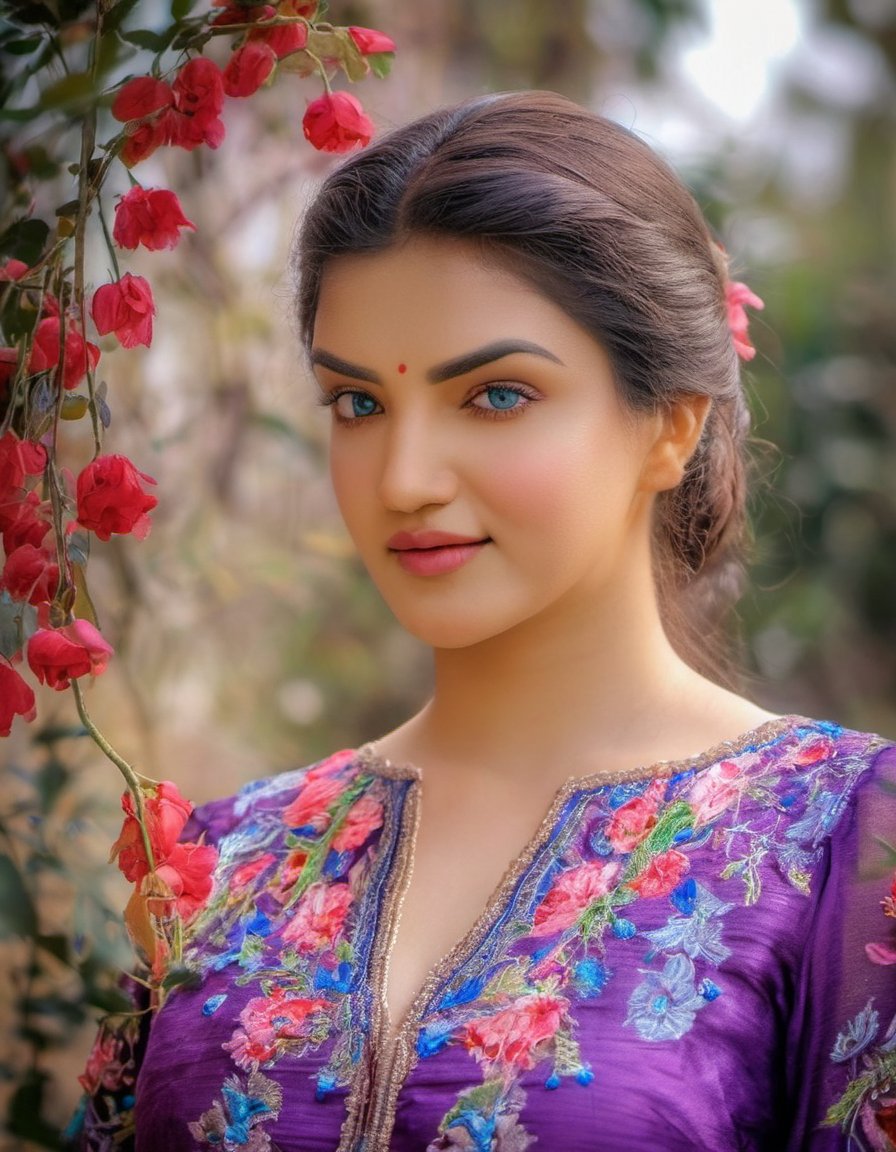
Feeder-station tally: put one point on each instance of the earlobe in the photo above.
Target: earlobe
(680, 427)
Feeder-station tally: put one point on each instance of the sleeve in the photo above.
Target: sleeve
(104, 1119)
(841, 1055)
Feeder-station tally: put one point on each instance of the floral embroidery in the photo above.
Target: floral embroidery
(869, 1101)
(664, 1005)
(231, 1122)
(609, 888)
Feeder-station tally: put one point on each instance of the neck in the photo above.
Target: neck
(557, 688)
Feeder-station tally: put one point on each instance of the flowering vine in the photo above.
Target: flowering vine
(52, 322)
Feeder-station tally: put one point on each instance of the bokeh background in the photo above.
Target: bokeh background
(248, 639)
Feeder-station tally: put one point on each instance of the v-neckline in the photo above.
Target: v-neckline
(391, 1031)
(392, 1045)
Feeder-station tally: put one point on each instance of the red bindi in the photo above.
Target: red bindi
(402, 367)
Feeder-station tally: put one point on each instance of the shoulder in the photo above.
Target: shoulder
(819, 756)
(819, 771)
(260, 801)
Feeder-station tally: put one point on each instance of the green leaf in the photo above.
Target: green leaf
(17, 915)
(20, 115)
(72, 89)
(381, 63)
(117, 13)
(36, 14)
(179, 978)
(50, 733)
(181, 8)
(189, 38)
(144, 38)
(22, 47)
(56, 944)
(25, 240)
(50, 781)
(25, 1115)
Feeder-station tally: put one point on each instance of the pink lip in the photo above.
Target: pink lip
(433, 553)
(403, 541)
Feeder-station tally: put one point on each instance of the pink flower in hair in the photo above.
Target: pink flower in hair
(737, 295)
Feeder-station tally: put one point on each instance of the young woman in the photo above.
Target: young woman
(587, 899)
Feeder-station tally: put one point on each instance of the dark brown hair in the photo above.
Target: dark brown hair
(584, 210)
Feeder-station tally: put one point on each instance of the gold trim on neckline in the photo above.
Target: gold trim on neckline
(393, 1043)
(763, 733)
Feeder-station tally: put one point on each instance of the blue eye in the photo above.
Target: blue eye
(354, 405)
(500, 399)
(362, 405)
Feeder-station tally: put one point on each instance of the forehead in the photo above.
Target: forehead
(441, 295)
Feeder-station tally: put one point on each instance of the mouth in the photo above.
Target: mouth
(434, 553)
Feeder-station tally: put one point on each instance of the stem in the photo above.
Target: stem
(132, 778)
(252, 25)
(110, 243)
(85, 192)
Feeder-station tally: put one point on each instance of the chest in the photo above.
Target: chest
(617, 953)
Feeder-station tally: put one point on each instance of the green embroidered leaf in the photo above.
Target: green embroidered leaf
(483, 1098)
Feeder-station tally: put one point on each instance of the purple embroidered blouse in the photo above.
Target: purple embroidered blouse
(697, 956)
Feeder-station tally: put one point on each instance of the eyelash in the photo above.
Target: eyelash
(329, 399)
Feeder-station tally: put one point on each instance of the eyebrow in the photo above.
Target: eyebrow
(448, 370)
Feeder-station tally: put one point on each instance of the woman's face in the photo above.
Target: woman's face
(481, 458)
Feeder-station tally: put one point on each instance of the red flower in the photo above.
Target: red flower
(79, 354)
(363, 818)
(9, 362)
(187, 872)
(305, 8)
(512, 1035)
(18, 459)
(571, 894)
(198, 98)
(16, 698)
(145, 139)
(236, 14)
(141, 97)
(631, 823)
(335, 122)
(21, 522)
(13, 269)
(166, 813)
(369, 42)
(152, 217)
(269, 1023)
(662, 874)
(57, 656)
(110, 498)
(246, 873)
(319, 917)
(737, 294)
(311, 806)
(813, 750)
(31, 574)
(126, 308)
(282, 39)
(248, 68)
(106, 1064)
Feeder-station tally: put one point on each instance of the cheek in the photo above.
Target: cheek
(548, 487)
(351, 480)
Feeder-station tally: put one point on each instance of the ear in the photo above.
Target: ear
(680, 426)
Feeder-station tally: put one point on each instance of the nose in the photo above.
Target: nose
(416, 467)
